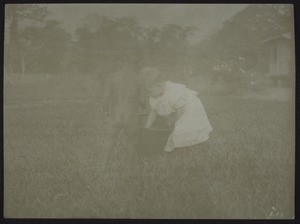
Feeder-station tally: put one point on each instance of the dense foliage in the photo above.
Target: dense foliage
(40, 46)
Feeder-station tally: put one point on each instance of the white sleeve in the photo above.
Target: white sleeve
(180, 102)
(153, 104)
(178, 95)
(184, 97)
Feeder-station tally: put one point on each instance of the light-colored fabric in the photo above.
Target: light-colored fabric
(193, 126)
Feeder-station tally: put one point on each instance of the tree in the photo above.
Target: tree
(102, 41)
(16, 16)
(43, 49)
(54, 46)
(240, 37)
(30, 46)
(166, 48)
(243, 32)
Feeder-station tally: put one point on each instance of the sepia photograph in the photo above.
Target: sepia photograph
(149, 111)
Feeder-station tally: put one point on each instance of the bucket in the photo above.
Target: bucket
(153, 141)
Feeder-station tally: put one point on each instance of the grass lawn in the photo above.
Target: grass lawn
(52, 155)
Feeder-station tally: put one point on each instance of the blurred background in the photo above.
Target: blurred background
(241, 60)
(226, 49)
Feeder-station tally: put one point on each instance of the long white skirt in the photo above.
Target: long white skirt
(192, 127)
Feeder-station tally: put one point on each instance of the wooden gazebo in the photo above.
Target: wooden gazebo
(281, 59)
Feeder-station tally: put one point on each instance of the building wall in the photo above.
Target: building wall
(280, 56)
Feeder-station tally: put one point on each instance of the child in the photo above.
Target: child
(179, 104)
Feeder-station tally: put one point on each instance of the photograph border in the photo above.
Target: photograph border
(297, 168)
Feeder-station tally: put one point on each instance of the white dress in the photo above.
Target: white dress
(193, 126)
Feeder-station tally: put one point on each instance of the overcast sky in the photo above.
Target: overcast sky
(204, 16)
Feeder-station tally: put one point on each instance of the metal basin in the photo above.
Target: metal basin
(152, 141)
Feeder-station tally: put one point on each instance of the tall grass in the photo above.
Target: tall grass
(52, 155)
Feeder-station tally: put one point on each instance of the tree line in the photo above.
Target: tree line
(238, 42)
(35, 45)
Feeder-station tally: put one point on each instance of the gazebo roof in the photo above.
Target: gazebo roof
(286, 36)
